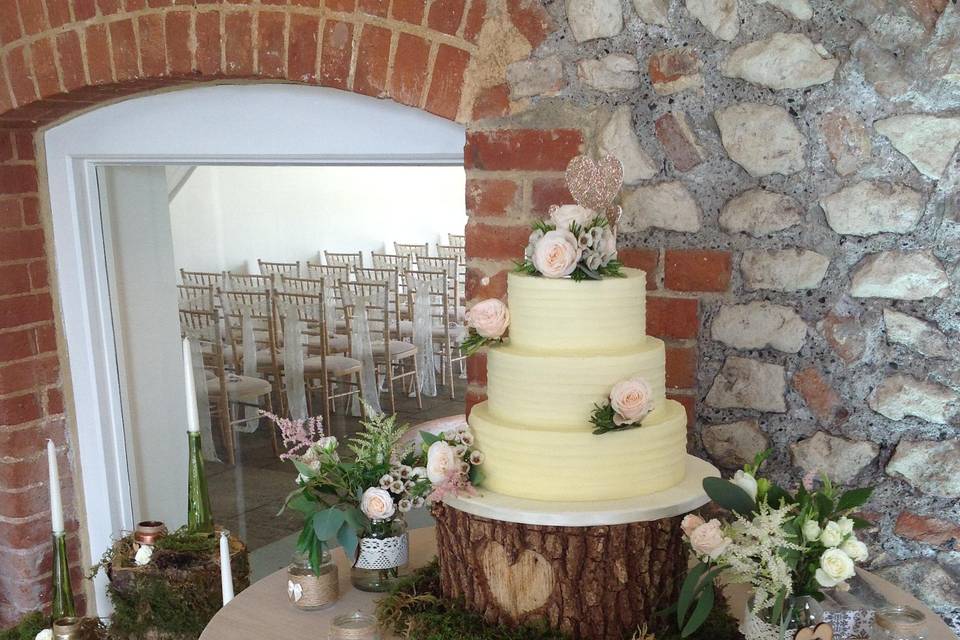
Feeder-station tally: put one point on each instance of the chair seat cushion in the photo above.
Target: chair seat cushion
(240, 386)
(336, 344)
(398, 348)
(336, 365)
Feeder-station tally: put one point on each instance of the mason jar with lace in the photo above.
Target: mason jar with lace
(383, 555)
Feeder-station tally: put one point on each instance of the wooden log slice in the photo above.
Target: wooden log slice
(593, 583)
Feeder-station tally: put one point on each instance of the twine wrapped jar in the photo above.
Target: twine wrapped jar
(899, 623)
(311, 591)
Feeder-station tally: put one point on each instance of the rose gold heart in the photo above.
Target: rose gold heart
(822, 631)
(594, 185)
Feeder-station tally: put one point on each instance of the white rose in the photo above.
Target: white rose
(490, 318)
(377, 504)
(45, 634)
(811, 530)
(855, 549)
(690, 523)
(569, 214)
(556, 254)
(441, 460)
(144, 553)
(632, 400)
(835, 567)
(746, 482)
(832, 536)
(708, 540)
(846, 525)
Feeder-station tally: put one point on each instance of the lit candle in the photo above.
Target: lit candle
(193, 417)
(226, 572)
(56, 505)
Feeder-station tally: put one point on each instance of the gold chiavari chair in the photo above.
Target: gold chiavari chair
(248, 281)
(333, 275)
(415, 251)
(450, 267)
(291, 269)
(443, 333)
(458, 240)
(195, 297)
(391, 276)
(202, 278)
(343, 259)
(334, 342)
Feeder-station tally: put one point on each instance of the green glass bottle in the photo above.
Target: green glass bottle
(199, 516)
(63, 606)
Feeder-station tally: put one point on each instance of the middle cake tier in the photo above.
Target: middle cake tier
(558, 392)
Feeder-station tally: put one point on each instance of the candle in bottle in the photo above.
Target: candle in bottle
(226, 571)
(193, 416)
(56, 504)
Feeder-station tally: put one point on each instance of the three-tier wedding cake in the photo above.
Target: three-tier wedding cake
(570, 343)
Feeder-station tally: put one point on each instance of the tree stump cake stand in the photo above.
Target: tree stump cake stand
(596, 571)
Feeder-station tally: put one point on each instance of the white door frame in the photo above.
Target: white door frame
(224, 124)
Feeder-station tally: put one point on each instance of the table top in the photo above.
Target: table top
(263, 611)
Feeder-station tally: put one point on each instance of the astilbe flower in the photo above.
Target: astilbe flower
(298, 435)
(454, 484)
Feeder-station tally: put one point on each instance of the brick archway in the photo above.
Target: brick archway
(61, 57)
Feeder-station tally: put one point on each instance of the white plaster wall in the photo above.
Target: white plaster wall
(225, 217)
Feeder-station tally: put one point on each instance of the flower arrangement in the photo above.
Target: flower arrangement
(487, 321)
(452, 463)
(630, 401)
(576, 242)
(784, 545)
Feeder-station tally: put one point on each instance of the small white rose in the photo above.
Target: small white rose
(846, 525)
(44, 634)
(441, 460)
(377, 504)
(569, 214)
(855, 549)
(832, 535)
(746, 482)
(835, 567)
(811, 530)
(632, 400)
(708, 539)
(556, 254)
(690, 523)
(489, 318)
(143, 556)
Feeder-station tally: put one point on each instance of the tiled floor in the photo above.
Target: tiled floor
(246, 497)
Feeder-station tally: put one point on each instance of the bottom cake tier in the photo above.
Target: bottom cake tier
(569, 466)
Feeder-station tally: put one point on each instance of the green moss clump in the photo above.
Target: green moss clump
(416, 610)
(28, 627)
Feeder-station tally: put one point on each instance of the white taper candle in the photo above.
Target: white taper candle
(193, 417)
(226, 572)
(56, 504)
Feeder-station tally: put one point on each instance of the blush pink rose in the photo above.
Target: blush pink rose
(632, 400)
(690, 523)
(489, 317)
(377, 504)
(568, 214)
(556, 254)
(708, 540)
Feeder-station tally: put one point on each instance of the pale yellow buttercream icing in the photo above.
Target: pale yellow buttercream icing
(569, 343)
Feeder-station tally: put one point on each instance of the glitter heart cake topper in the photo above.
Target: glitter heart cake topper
(594, 184)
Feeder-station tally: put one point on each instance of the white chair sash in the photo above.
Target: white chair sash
(423, 339)
(362, 350)
(251, 415)
(203, 398)
(329, 307)
(293, 364)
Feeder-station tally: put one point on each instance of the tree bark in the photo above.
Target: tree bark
(593, 583)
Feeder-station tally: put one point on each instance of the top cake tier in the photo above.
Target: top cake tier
(590, 317)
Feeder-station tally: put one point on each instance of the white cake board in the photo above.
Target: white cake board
(679, 499)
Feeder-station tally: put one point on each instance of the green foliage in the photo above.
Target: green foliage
(602, 420)
(729, 496)
(28, 627)
(474, 342)
(185, 541)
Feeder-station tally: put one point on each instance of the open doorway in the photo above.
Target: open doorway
(150, 193)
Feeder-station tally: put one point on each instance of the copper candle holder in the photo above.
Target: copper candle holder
(148, 532)
(68, 628)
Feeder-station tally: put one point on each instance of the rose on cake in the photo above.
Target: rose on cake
(487, 322)
(629, 402)
(564, 217)
(576, 243)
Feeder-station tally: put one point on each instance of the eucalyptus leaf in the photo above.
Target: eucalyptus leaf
(476, 476)
(326, 523)
(355, 518)
(347, 537)
(304, 469)
(688, 591)
(860, 523)
(776, 495)
(854, 498)
(429, 438)
(298, 501)
(729, 496)
(700, 612)
(825, 505)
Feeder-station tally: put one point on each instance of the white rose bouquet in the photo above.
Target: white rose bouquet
(575, 242)
(630, 401)
(487, 321)
(784, 545)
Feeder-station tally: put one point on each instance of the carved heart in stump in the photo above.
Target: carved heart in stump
(594, 185)
(520, 587)
(822, 631)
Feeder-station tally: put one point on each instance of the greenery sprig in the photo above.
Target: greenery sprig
(474, 342)
(602, 420)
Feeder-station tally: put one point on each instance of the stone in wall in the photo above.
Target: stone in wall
(615, 72)
(667, 205)
(781, 61)
(915, 334)
(928, 141)
(930, 466)
(783, 269)
(867, 208)
(759, 212)
(761, 138)
(528, 78)
(592, 19)
(744, 383)
(759, 325)
(675, 70)
(841, 459)
(847, 139)
(926, 580)
(900, 395)
(882, 69)
(619, 139)
(846, 335)
(820, 397)
(734, 444)
(797, 9)
(653, 11)
(901, 275)
(928, 530)
(720, 17)
(678, 140)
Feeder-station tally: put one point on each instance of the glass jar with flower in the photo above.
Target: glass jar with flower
(383, 555)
